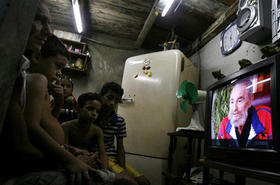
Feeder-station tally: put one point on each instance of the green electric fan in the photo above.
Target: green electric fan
(188, 92)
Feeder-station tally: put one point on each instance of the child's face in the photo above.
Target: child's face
(90, 111)
(111, 99)
(67, 87)
(51, 67)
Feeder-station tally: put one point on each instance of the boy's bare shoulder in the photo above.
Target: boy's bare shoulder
(96, 129)
(69, 124)
(36, 80)
(36, 86)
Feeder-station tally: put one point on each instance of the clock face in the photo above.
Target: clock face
(229, 39)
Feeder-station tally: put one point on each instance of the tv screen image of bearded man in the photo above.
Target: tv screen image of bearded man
(241, 114)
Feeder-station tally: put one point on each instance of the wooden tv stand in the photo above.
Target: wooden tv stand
(240, 172)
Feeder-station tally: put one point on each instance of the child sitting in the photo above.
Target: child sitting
(43, 128)
(69, 109)
(113, 125)
(82, 133)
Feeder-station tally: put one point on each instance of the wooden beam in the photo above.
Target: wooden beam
(117, 21)
(147, 25)
(110, 41)
(221, 23)
(210, 8)
(102, 17)
(227, 2)
(139, 8)
(14, 31)
(101, 38)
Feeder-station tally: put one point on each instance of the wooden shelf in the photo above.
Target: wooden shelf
(81, 57)
(75, 69)
(70, 71)
(67, 40)
(76, 53)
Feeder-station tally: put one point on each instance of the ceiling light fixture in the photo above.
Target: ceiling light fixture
(77, 15)
(166, 8)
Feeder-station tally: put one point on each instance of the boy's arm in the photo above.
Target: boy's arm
(101, 146)
(66, 132)
(37, 89)
(120, 135)
(16, 130)
(76, 151)
(56, 90)
(120, 152)
(57, 109)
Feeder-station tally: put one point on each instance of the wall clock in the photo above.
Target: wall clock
(229, 39)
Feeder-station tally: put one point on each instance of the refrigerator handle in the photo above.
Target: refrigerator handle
(182, 64)
(127, 101)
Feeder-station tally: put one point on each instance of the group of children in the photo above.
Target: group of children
(40, 150)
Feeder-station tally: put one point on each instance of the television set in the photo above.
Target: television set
(243, 117)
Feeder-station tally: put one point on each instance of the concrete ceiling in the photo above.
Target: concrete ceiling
(135, 21)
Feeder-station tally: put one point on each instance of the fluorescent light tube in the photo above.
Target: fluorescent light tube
(166, 8)
(77, 15)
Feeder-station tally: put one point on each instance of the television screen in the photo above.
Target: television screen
(241, 113)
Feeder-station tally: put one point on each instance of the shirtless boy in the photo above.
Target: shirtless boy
(84, 133)
(81, 133)
(44, 130)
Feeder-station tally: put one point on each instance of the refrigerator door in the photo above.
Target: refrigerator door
(152, 114)
(151, 109)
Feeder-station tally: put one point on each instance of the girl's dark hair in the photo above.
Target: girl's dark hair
(83, 98)
(67, 78)
(113, 86)
(54, 46)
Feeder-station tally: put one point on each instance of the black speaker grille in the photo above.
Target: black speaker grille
(245, 18)
(242, 3)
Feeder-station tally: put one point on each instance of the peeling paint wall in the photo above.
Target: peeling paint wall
(107, 64)
(210, 59)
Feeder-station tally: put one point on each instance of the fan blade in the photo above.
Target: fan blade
(184, 106)
(181, 92)
(191, 92)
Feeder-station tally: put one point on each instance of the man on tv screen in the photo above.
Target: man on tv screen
(245, 125)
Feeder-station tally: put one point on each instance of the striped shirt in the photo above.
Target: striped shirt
(116, 128)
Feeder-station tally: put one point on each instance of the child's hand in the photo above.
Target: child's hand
(76, 151)
(91, 160)
(81, 152)
(56, 90)
(79, 173)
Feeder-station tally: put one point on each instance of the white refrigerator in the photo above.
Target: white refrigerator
(151, 109)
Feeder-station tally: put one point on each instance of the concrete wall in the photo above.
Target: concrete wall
(209, 58)
(107, 64)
